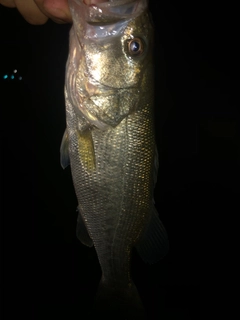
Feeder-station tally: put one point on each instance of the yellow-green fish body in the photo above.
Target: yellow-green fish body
(110, 137)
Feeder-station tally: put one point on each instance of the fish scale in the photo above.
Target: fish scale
(110, 142)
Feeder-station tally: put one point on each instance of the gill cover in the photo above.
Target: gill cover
(104, 32)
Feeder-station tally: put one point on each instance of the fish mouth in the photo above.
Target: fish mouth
(111, 11)
(102, 14)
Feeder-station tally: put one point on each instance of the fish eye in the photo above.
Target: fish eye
(135, 47)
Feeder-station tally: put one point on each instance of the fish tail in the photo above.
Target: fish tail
(119, 302)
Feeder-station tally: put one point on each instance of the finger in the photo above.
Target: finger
(8, 3)
(57, 10)
(30, 11)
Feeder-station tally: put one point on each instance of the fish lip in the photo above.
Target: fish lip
(112, 11)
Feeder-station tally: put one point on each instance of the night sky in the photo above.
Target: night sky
(45, 271)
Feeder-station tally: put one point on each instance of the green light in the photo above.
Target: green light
(5, 76)
(12, 76)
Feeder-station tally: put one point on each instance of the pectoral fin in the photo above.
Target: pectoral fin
(64, 153)
(86, 150)
(82, 233)
(153, 244)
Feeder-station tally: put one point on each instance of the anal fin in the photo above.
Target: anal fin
(154, 244)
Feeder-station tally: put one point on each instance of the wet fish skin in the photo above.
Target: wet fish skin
(110, 138)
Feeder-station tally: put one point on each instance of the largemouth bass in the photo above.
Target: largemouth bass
(109, 140)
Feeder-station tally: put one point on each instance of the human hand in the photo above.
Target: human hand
(39, 11)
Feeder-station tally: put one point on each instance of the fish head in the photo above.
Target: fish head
(115, 39)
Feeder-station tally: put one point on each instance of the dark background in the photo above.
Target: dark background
(45, 271)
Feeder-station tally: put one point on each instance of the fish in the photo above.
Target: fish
(109, 141)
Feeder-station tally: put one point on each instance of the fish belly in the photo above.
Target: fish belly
(115, 195)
